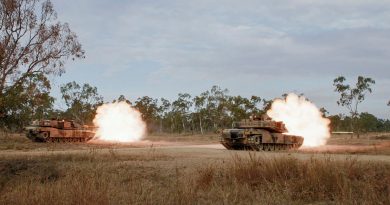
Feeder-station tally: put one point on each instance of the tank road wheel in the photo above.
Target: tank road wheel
(260, 147)
(266, 147)
(45, 136)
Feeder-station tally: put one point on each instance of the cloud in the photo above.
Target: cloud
(202, 42)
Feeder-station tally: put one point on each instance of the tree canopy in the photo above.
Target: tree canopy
(33, 45)
(351, 97)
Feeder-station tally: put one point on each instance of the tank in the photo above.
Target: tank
(259, 134)
(59, 131)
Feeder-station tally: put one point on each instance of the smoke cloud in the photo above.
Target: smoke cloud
(119, 122)
(302, 118)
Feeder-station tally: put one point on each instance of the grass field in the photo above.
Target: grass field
(169, 169)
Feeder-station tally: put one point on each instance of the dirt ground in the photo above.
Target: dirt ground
(374, 146)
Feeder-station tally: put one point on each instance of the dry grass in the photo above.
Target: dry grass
(87, 174)
(373, 138)
(18, 141)
(156, 178)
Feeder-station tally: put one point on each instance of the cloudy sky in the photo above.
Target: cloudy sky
(253, 47)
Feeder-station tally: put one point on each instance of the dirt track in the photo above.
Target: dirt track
(195, 152)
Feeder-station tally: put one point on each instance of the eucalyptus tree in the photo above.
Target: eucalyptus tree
(181, 107)
(32, 43)
(148, 108)
(352, 96)
(122, 98)
(81, 100)
(218, 106)
(164, 113)
(27, 101)
(238, 107)
(200, 109)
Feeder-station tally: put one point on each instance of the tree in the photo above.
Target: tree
(369, 123)
(82, 101)
(218, 107)
(163, 112)
(238, 107)
(324, 112)
(122, 98)
(200, 109)
(267, 104)
(181, 107)
(255, 102)
(32, 42)
(148, 108)
(351, 97)
(26, 102)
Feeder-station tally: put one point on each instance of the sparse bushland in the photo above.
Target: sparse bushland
(156, 178)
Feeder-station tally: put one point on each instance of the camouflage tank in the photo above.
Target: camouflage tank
(259, 134)
(59, 131)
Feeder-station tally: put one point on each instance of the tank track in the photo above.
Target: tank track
(38, 138)
(66, 140)
(262, 147)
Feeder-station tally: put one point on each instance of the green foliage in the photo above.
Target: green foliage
(27, 101)
(351, 97)
(122, 98)
(366, 122)
(148, 108)
(81, 101)
(33, 45)
(208, 112)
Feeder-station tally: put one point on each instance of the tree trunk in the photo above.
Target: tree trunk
(184, 127)
(172, 124)
(200, 125)
(357, 128)
(160, 125)
(352, 128)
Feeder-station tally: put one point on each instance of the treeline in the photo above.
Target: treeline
(207, 112)
(366, 122)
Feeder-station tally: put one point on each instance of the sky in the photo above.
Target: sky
(251, 47)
